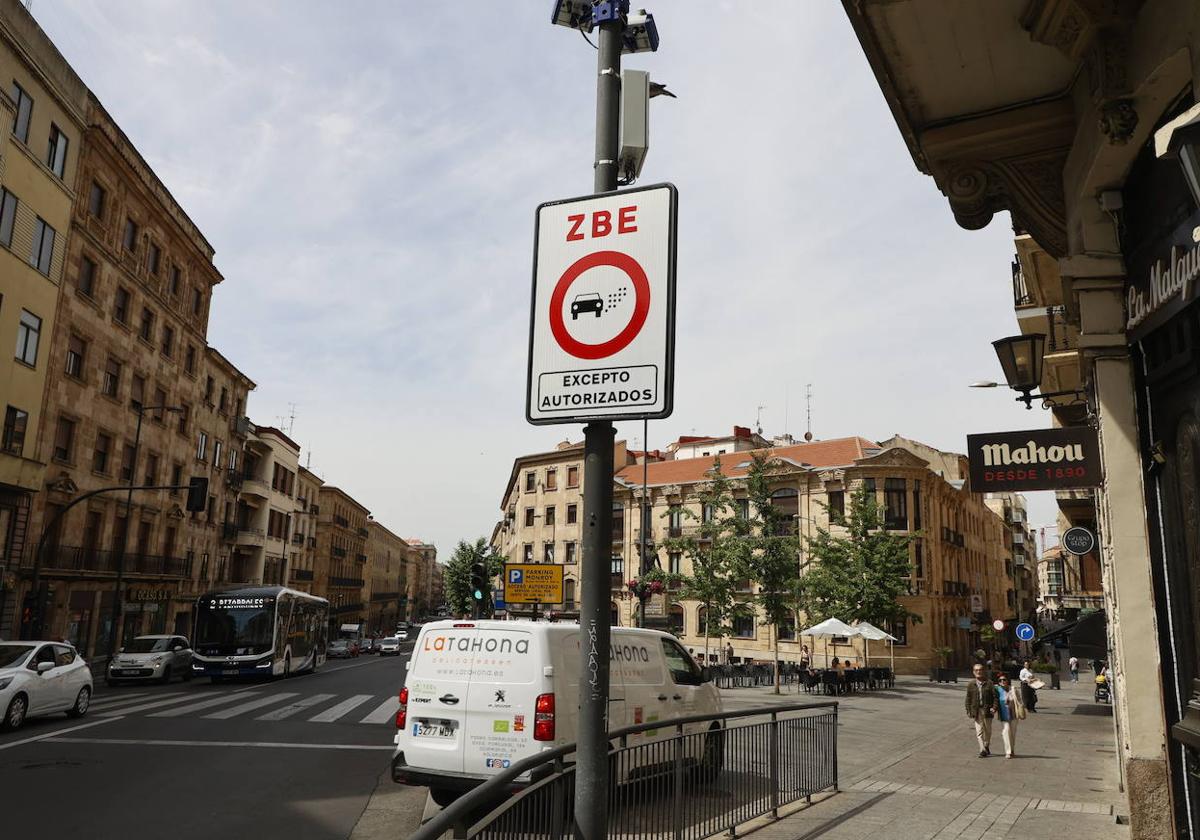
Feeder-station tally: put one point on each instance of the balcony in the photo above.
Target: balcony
(637, 536)
(254, 537)
(341, 520)
(229, 532)
(240, 426)
(347, 582)
(362, 532)
(302, 574)
(361, 558)
(255, 487)
(233, 479)
(385, 596)
(1075, 503)
(1021, 295)
(90, 561)
(312, 542)
(342, 609)
(674, 532)
(1018, 538)
(340, 553)
(297, 539)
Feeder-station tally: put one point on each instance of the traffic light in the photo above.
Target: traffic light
(197, 493)
(478, 581)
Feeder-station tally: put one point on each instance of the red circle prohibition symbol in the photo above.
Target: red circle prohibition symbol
(641, 305)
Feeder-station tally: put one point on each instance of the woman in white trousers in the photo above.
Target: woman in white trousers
(1010, 708)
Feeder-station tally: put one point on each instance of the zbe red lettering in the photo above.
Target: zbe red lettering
(602, 223)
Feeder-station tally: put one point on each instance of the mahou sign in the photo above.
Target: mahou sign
(1039, 459)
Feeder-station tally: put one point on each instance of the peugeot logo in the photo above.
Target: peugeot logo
(499, 696)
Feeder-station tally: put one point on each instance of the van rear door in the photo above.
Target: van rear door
(506, 680)
(438, 681)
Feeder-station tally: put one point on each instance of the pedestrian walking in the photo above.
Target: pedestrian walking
(1011, 709)
(1028, 692)
(981, 705)
(1073, 664)
(729, 654)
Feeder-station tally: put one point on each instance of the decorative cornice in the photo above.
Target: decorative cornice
(63, 484)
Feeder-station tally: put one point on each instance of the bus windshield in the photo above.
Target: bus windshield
(235, 626)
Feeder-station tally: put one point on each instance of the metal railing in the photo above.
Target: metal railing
(92, 561)
(686, 778)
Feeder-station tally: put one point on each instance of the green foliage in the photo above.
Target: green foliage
(768, 553)
(942, 653)
(712, 547)
(862, 575)
(456, 576)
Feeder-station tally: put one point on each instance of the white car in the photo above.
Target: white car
(480, 695)
(154, 658)
(388, 647)
(41, 678)
(402, 635)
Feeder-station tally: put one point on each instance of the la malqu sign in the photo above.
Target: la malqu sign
(1038, 459)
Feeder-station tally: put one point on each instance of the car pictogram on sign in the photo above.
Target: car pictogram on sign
(587, 302)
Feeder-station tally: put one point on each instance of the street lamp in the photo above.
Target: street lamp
(1021, 360)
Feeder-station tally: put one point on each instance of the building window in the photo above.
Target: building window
(550, 514)
(706, 513)
(121, 305)
(64, 439)
(572, 476)
(127, 463)
(527, 555)
(869, 485)
(76, 352)
(137, 392)
(168, 340)
(208, 390)
(743, 508)
(837, 506)
(41, 252)
(674, 563)
(223, 403)
(15, 422)
(129, 239)
(916, 506)
(153, 259)
(160, 404)
(616, 565)
(85, 282)
(548, 552)
(100, 455)
(528, 517)
(189, 359)
(895, 504)
(572, 514)
(176, 276)
(918, 561)
(147, 328)
(786, 630)
(530, 482)
(24, 112)
(197, 301)
(201, 446)
(899, 628)
(743, 625)
(29, 333)
(569, 595)
(8, 214)
(56, 153)
(96, 200)
(551, 479)
(571, 549)
(217, 454)
(112, 377)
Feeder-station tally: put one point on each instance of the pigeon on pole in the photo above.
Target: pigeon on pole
(660, 89)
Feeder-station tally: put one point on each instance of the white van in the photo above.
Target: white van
(481, 695)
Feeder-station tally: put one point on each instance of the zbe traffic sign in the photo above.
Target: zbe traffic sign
(602, 321)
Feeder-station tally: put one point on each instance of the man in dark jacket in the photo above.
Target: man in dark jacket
(981, 708)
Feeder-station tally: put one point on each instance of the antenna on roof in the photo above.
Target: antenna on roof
(787, 402)
(808, 411)
(291, 418)
(758, 419)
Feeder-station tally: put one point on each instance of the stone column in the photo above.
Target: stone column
(1097, 284)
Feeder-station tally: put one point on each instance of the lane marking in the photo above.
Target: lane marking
(120, 698)
(291, 709)
(385, 712)
(335, 669)
(49, 735)
(334, 712)
(160, 743)
(258, 703)
(176, 698)
(180, 711)
(109, 705)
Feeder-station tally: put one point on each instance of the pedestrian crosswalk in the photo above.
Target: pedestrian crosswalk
(257, 704)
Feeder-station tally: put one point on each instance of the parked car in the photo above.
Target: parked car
(371, 645)
(342, 649)
(41, 678)
(151, 658)
(460, 719)
(389, 646)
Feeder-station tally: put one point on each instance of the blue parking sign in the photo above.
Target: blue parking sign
(516, 576)
(1025, 632)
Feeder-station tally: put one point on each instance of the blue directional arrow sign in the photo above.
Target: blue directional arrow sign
(1025, 632)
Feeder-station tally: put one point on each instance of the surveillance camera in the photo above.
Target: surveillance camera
(574, 14)
(641, 34)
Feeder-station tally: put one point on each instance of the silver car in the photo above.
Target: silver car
(151, 658)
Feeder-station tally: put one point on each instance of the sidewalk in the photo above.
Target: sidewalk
(910, 770)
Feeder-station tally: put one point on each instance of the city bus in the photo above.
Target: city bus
(259, 631)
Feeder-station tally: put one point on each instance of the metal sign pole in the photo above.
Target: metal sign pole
(591, 785)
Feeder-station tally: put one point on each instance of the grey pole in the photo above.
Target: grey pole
(117, 600)
(591, 769)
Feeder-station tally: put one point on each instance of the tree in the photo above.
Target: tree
(862, 575)
(711, 547)
(456, 576)
(769, 553)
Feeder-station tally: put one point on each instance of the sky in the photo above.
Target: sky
(368, 174)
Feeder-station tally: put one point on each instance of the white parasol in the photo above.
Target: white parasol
(830, 627)
(872, 633)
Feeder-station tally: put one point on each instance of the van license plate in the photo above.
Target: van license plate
(434, 729)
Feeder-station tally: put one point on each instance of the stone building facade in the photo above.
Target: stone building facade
(301, 569)
(129, 344)
(265, 508)
(43, 108)
(422, 569)
(388, 566)
(341, 574)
